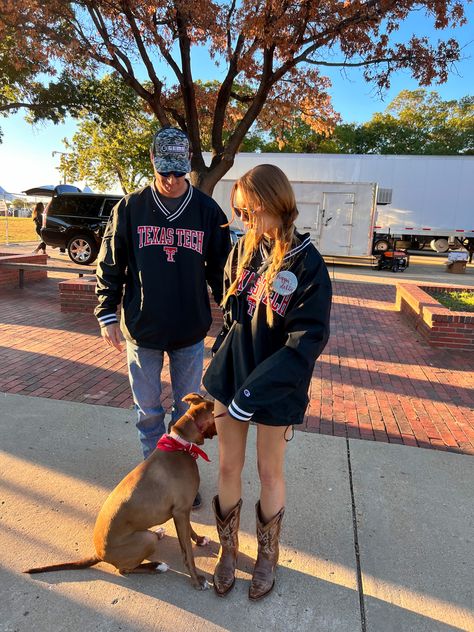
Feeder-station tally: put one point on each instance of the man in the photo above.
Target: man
(163, 244)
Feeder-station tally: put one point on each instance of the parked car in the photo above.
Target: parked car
(75, 222)
(235, 234)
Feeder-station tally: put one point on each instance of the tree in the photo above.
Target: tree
(19, 88)
(273, 47)
(415, 122)
(112, 141)
(420, 122)
(17, 203)
(114, 138)
(298, 137)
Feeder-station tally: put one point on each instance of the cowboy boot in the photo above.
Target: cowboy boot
(268, 536)
(227, 529)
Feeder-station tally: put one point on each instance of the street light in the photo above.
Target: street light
(61, 153)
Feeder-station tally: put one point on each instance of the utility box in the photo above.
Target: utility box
(457, 262)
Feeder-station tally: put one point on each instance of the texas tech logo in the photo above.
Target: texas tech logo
(171, 239)
(279, 300)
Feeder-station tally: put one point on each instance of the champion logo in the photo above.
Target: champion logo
(247, 392)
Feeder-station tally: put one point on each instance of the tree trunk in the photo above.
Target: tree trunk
(205, 178)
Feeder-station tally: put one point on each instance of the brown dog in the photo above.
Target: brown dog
(162, 487)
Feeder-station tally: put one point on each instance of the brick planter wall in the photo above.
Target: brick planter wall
(9, 276)
(78, 296)
(440, 326)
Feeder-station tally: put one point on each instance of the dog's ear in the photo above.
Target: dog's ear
(193, 398)
(208, 405)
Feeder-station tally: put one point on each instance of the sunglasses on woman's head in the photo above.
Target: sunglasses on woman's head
(243, 213)
(176, 174)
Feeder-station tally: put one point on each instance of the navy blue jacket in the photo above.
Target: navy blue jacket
(161, 262)
(262, 373)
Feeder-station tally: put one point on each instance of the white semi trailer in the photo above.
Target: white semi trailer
(353, 204)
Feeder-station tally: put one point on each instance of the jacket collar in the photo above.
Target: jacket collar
(266, 253)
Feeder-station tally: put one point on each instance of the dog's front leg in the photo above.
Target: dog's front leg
(183, 529)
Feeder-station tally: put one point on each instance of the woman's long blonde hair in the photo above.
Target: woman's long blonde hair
(267, 188)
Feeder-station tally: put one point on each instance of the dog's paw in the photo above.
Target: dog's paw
(160, 532)
(203, 583)
(202, 540)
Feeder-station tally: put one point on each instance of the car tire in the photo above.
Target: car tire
(82, 249)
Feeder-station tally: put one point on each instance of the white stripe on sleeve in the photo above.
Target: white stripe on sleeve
(237, 412)
(108, 319)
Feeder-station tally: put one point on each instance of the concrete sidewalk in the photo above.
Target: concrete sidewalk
(376, 538)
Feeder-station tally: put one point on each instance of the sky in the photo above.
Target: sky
(26, 158)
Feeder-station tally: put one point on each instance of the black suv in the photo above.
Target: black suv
(76, 221)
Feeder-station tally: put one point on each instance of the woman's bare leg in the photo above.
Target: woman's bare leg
(232, 437)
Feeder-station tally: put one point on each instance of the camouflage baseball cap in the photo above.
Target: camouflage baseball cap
(170, 149)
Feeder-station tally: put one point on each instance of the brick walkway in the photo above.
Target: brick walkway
(377, 380)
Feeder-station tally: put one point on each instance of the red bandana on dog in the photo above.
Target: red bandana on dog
(169, 443)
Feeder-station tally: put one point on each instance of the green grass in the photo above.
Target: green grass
(19, 229)
(456, 301)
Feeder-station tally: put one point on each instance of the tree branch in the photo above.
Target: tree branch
(125, 68)
(255, 108)
(158, 85)
(223, 96)
(19, 104)
(368, 62)
(164, 51)
(188, 91)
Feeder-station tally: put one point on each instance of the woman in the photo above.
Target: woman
(277, 298)
(37, 216)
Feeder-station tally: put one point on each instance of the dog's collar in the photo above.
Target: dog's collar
(172, 442)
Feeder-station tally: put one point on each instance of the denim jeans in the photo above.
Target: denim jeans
(144, 371)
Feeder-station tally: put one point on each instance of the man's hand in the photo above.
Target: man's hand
(112, 336)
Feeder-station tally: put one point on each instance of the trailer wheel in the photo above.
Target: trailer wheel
(381, 245)
(440, 245)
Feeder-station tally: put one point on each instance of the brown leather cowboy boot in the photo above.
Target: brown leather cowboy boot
(228, 530)
(268, 536)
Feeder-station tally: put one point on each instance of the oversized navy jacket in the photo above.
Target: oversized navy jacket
(164, 259)
(262, 373)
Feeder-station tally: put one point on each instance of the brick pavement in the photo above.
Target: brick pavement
(378, 379)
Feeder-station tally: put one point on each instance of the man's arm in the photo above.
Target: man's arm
(111, 267)
(218, 251)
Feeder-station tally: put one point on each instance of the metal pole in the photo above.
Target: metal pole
(6, 220)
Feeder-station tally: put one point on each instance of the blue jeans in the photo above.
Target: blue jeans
(144, 371)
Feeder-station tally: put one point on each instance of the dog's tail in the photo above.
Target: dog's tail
(87, 562)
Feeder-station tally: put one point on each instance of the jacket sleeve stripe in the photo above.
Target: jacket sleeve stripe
(108, 319)
(237, 412)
